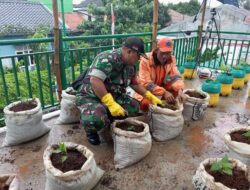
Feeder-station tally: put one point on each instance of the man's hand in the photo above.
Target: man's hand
(114, 108)
(153, 98)
(181, 96)
(169, 97)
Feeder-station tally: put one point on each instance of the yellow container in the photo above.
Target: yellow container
(188, 73)
(214, 99)
(226, 89)
(247, 78)
(249, 92)
(238, 83)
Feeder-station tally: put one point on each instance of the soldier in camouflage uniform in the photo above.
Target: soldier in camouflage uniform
(102, 96)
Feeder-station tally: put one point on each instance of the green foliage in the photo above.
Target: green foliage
(209, 54)
(61, 148)
(130, 17)
(189, 8)
(225, 68)
(243, 62)
(190, 58)
(223, 166)
(14, 29)
(246, 134)
(237, 67)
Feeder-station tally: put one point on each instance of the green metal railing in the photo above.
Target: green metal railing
(41, 82)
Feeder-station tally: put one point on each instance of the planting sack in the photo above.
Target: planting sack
(85, 178)
(238, 150)
(204, 181)
(194, 108)
(69, 112)
(10, 182)
(23, 126)
(129, 146)
(165, 123)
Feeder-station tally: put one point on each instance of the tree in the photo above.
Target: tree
(245, 4)
(130, 16)
(189, 8)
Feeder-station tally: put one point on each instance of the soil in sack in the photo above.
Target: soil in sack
(195, 94)
(128, 127)
(173, 106)
(239, 137)
(127, 116)
(236, 181)
(23, 106)
(74, 161)
(3, 185)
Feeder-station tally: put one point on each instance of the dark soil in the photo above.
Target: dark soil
(239, 137)
(170, 106)
(237, 181)
(128, 127)
(3, 185)
(195, 94)
(130, 115)
(74, 161)
(23, 106)
(71, 92)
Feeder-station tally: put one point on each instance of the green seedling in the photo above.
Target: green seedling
(225, 68)
(237, 67)
(131, 128)
(190, 58)
(243, 62)
(246, 134)
(61, 149)
(223, 166)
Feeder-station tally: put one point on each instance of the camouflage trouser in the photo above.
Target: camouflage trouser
(95, 115)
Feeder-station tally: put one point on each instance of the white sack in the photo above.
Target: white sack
(84, 179)
(194, 108)
(129, 146)
(165, 123)
(23, 126)
(69, 113)
(204, 181)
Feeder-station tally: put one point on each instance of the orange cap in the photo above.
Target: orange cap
(165, 44)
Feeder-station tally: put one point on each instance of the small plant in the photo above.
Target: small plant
(223, 166)
(61, 148)
(246, 134)
(131, 128)
(237, 67)
(190, 58)
(243, 62)
(225, 68)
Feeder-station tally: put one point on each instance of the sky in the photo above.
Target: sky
(212, 3)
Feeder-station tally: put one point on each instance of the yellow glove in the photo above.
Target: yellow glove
(114, 108)
(153, 98)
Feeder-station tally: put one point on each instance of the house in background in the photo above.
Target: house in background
(17, 19)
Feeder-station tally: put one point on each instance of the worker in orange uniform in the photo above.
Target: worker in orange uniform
(159, 74)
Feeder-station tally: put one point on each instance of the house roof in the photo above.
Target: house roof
(72, 20)
(176, 16)
(85, 3)
(24, 14)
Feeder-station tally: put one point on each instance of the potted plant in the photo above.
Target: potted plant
(70, 166)
(23, 122)
(246, 67)
(213, 88)
(226, 80)
(69, 113)
(221, 174)
(196, 104)
(189, 67)
(239, 77)
(132, 141)
(181, 70)
(166, 122)
(238, 142)
(9, 182)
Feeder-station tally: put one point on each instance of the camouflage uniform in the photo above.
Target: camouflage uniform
(116, 76)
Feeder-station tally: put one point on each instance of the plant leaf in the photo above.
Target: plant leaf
(225, 159)
(56, 150)
(216, 166)
(246, 134)
(228, 171)
(63, 158)
(227, 165)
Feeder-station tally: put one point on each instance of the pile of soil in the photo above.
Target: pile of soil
(74, 161)
(195, 94)
(128, 127)
(236, 181)
(170, 106)
(23, 106)
(239, 137)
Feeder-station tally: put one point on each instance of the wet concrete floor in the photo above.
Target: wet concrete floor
(169, 166)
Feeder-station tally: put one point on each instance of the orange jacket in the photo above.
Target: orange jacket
(159, 78)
